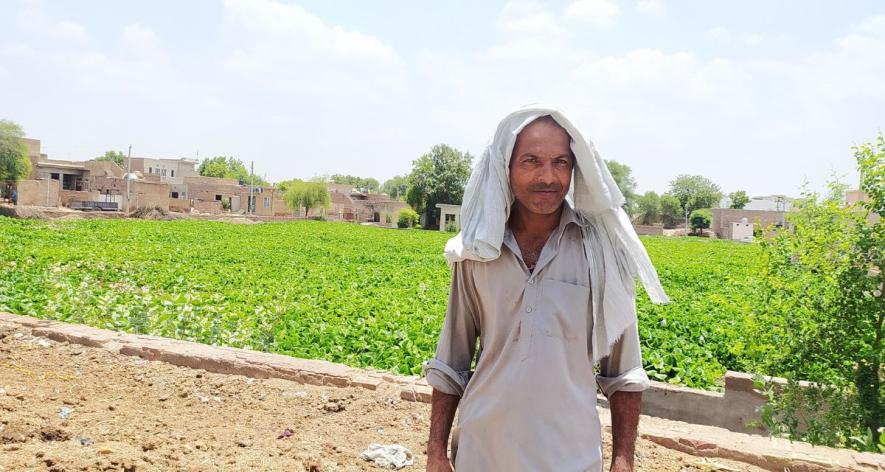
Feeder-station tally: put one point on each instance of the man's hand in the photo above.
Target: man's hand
(625, 407)
(442, 414)
(439, 464)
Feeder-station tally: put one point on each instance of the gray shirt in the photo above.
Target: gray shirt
(530, 404)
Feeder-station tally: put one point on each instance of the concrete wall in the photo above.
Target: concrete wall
(179, 205)
(38, 192)
(649, 230)
(733, 409)
(33, 146)
(724, 217)
(148, 195)
(207, 207)
(67, 196)
(267, 203)
(103, 169)
(169, 171)
(208, 188)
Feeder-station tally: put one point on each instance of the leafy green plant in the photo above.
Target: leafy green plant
(407, 218)
(826, 273)
(338, 292)
(700, 219)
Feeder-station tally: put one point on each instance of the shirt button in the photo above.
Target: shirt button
(528, 310)
(532, 282)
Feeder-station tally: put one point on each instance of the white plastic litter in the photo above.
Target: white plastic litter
(390, 456)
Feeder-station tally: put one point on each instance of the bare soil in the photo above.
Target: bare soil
(67, 407)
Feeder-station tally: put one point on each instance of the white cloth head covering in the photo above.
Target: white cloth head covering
(615, 253)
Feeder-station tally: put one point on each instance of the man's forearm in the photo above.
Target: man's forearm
(625, 407)
(442, 414)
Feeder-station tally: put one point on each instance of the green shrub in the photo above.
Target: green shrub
(700, 220)
(407, 218)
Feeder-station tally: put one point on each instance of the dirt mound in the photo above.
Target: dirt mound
(150, 213)
(155, 213)
(23, 211)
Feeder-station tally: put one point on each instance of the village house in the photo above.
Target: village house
(350, 204)
(175, 185)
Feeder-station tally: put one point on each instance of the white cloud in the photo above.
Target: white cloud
(871, 25)
(282, 20)
(530, 32)
(718, 33)
(752, 39)
(33, 20)
(527, 17)
(601, 13)
(651, 7)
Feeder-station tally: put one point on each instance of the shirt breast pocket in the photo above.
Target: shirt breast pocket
(567, 310)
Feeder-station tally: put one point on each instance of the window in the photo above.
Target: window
(174, 194)
(266, 202)
(218, 198)
(164, 172)
(150, 170)
(172, 172)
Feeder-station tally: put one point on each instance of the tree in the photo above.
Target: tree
(648, 208)
(364, 184)
(822, 286)
(739, 199)
(306, 195)
(626, 183)
(438, 177)
(14, 161)
(671, 211)
(396, 187)
(227, 167)
(693, 192)
(700, 220)
(116, 157)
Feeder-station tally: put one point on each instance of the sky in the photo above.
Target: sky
(758, 96)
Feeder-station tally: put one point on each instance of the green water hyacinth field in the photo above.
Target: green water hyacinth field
(363, 296)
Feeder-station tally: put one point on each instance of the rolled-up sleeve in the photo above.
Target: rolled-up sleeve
(622, 369)
(449, 370)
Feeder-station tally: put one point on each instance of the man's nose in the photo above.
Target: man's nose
(546, 174)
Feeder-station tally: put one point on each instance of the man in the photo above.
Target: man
(547, 289)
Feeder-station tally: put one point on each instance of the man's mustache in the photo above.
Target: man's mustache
(545, 188)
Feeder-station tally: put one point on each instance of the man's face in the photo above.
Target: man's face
(541, 166)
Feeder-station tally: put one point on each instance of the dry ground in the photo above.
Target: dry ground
(124, 413)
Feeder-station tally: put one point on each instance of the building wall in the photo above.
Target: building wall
(207, 206)
(724, 217)
(67, 196)
(208, 188)
(179, 205)
(38, 192)
(33, 146)
(103, 169)
(73, 172)
(148, 195)
(268, 202)
(649, 230)
(169, 171)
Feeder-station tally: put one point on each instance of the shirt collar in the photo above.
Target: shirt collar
(568, 216)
